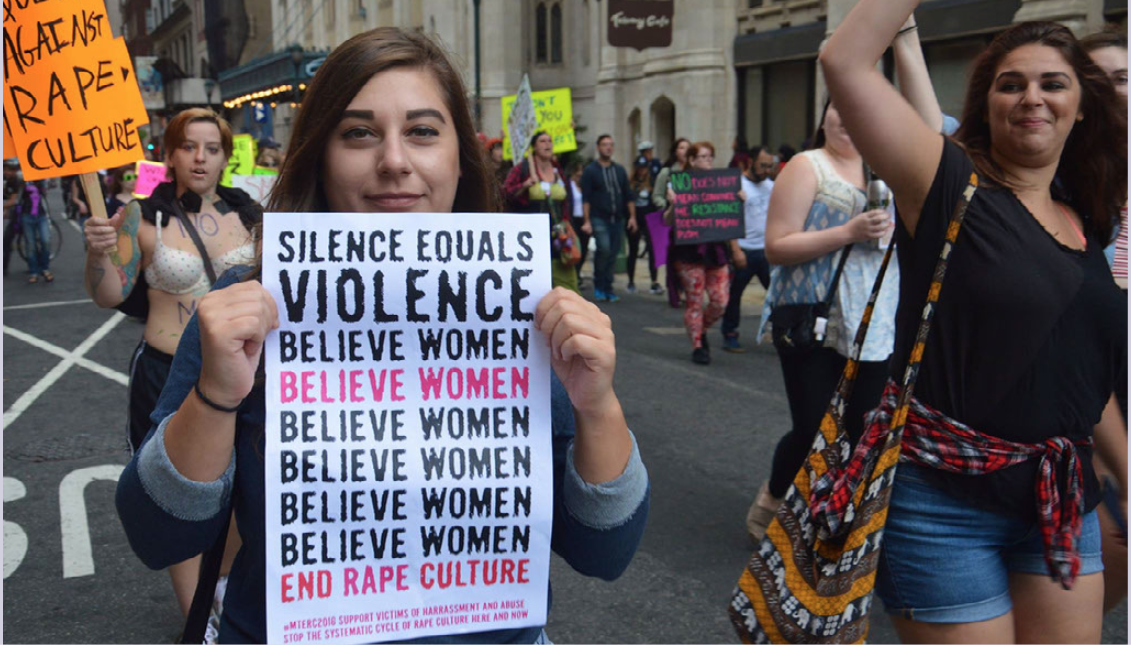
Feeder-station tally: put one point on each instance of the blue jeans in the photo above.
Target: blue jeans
(37, 231)
(756, 265)
(944, 560)
(609, 235)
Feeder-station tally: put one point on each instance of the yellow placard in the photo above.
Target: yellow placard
(71, 100)
(243, 155)
(554, 111)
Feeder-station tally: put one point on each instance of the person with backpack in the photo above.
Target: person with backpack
(34, 223)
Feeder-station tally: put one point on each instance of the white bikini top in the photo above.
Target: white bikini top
(181, 272)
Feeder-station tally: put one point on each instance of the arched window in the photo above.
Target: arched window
(540, 33)
(556, 33)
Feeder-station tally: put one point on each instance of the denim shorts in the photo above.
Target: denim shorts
(945, 561)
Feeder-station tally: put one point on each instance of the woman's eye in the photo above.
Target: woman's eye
(356, 133)
(423, 131)
(1053, 87)
(213, 150)
(1009, 87)
(1120, 80)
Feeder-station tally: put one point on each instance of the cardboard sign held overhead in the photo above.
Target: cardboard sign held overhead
(521, 122)
(71, 100)
(553, 112)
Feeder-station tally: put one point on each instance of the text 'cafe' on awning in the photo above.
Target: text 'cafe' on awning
(262, 96)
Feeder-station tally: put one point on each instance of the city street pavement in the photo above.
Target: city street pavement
(706, 435)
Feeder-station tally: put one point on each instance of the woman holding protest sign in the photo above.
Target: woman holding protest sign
(537, 185)
(140, 262)
(1029, 334)
(385, 128)
(703, 269)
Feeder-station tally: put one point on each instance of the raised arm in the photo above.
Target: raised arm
(887, 131)
(914, 79)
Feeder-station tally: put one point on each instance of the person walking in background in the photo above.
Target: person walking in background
(647, 152)
(741, 151)
(756, 189)
(1108, 50)
(991, 535)
(123, 180)
(577, 213)
(676, 162)
(536, 185)
(36, 228)
(641, 187)
(703, 269)
(164, 261)
(13, 188)
(816, 215)
(608, 207)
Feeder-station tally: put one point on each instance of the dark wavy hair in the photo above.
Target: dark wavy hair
(671, 153)
(1092, 172)
(346, 70)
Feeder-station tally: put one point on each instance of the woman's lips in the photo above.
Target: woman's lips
(394, 201)
(1031, 123)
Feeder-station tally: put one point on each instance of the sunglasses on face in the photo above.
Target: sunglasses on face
(129, 176)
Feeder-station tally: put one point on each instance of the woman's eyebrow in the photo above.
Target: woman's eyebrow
(358, 114)
(423, 112)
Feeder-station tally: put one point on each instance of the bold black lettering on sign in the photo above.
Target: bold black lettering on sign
(707, 208)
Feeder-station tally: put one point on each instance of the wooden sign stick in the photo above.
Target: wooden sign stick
(92, 185)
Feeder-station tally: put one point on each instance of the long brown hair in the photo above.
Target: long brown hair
(1092, 172)
(346, 70)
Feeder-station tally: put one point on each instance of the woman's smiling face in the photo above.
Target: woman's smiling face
(395, 148)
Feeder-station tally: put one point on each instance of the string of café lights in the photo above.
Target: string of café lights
(263, 94)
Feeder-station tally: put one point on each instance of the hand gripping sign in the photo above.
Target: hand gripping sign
(71, 102)
(408, 463)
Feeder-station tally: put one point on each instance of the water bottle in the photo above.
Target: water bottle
(879, 198)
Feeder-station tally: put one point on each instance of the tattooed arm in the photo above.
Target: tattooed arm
(113, 255)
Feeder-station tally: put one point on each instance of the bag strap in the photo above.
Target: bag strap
(836, 276)
(201, 608)
(197, 621)
(187, 223)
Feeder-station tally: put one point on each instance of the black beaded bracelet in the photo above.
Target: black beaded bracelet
(212, 404)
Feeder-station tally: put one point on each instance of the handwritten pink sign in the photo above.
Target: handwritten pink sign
(149, 174)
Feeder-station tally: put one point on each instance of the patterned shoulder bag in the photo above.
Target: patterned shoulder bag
(811, 578)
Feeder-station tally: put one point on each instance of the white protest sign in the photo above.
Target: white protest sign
(523, 120)
(409, 476)
(257, 186)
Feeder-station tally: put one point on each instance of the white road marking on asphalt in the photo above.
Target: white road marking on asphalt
(29, 397)
(97, 368)
(15, 539)
(667, 331)
(40, 305)
(78, 560)
(75, 224)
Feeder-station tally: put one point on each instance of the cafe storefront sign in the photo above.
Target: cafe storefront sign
(640, 24)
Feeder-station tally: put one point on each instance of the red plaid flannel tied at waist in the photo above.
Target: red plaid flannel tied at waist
(932, 439)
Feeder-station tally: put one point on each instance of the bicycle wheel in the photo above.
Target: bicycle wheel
(56, 241)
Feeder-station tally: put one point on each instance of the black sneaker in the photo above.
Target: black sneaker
(701, 356)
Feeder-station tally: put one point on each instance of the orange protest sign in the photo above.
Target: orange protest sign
(71, 101)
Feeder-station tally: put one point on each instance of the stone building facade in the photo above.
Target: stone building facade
(734, 67)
